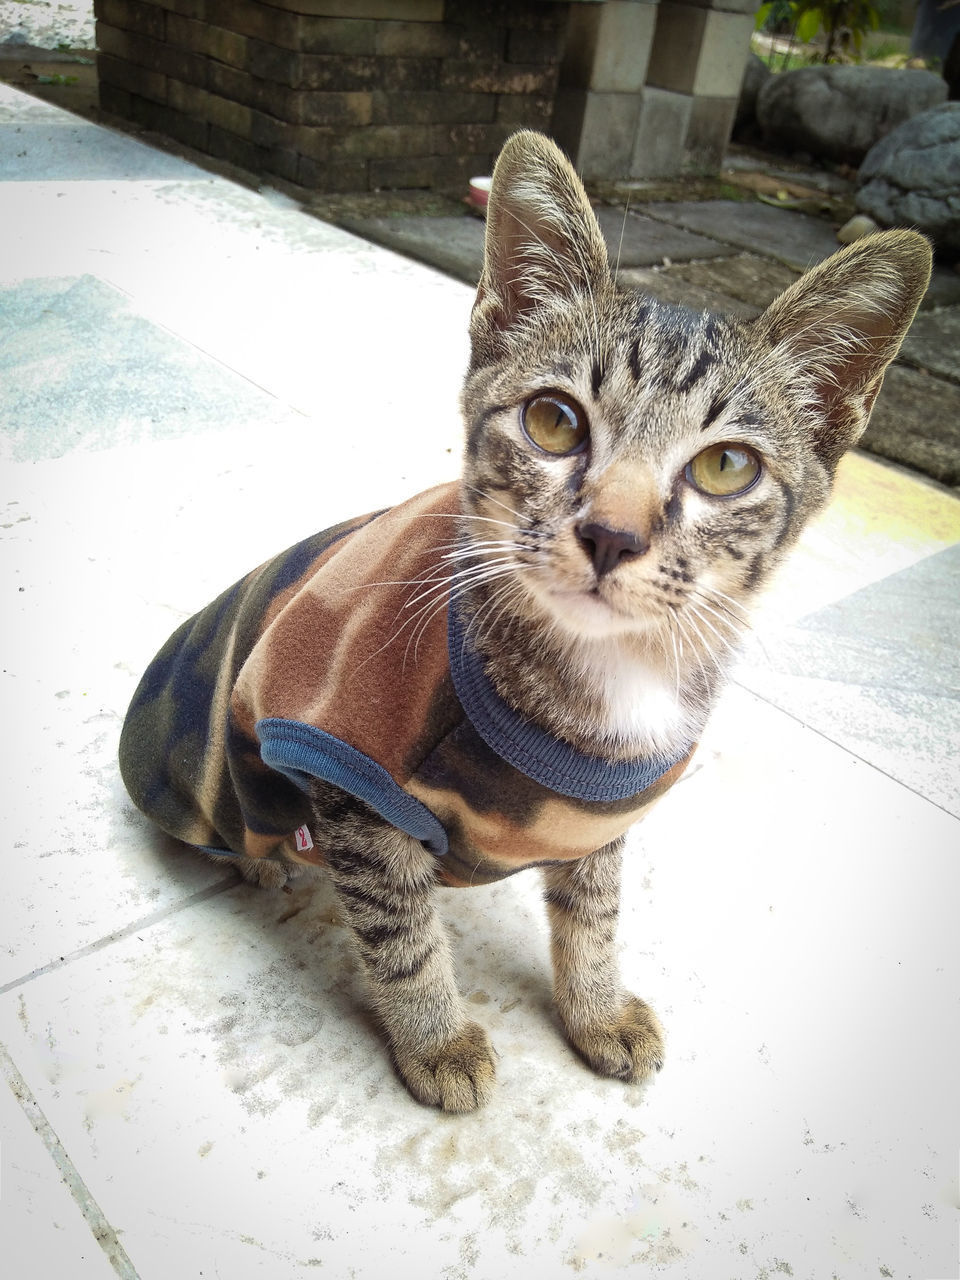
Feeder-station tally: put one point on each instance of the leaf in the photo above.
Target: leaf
(763, 13)
(808, 24)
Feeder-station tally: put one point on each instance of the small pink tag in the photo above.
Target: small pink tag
(302, 838)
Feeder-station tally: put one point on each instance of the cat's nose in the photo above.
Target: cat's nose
(609, 547)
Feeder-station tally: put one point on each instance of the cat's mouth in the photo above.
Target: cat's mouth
(587, 610)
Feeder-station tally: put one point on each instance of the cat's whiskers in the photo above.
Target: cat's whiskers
(743, 625)
(485, 619)
(445, 575)
(672, 632)
(490, 498)
(623, 227)
(440, 588)
(463, 515)
(456, 583)
(736, 626)
(749, 632)
(692, 641)
(506, 595)
(479, 575)
(727, 603)
(715, 644)
(457, 551)
(432, 598)
(728, 645)
(422, 625)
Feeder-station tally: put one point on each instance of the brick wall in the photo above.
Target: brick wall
(335, 95)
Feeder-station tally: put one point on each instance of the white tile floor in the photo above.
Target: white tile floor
(196, 1089)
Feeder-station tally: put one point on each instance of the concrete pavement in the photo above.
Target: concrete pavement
(195, 375)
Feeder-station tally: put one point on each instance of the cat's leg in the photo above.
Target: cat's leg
(618, 1034)
(385, 883)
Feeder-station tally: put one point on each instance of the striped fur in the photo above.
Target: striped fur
(601, 592)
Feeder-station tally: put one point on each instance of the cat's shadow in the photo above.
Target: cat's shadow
(293, 971)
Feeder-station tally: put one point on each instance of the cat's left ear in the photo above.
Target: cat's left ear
(543, 243)
(831, 335)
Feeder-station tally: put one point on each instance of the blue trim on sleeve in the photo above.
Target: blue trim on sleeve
(301, 752)
(217, 853)
(546, 759)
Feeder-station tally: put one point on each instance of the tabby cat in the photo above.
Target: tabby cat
(508, 670)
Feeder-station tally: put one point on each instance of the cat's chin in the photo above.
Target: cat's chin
(586, 615)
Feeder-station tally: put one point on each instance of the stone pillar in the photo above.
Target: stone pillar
(602, 74)
(699, 53)
(650, 90)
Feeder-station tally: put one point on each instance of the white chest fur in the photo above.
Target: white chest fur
(640, 696)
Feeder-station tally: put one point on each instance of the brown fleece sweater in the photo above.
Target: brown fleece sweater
(314, 666)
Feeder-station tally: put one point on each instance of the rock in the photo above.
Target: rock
(858, 227)
(840, 112)
(912, 177)
(755, 75)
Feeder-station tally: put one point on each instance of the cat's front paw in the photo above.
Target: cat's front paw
(456, 1075)
(629, 1047)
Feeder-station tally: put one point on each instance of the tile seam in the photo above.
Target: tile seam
(144, 922)
(93, 1215)
(792, 715)
(137, 312)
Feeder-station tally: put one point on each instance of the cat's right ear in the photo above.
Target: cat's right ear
(835, 330)
(543, 243)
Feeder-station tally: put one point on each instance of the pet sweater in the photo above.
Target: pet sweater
(345, 659)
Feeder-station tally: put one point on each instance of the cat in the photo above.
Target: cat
(508, 670)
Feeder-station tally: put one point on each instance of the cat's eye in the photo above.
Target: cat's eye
(555, 423)
(724, 469)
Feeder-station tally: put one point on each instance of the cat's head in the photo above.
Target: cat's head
(634, 468)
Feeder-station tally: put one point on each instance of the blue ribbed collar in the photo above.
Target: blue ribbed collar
(542, 757)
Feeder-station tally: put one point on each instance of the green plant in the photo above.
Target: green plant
(789, 60)
(844, 22)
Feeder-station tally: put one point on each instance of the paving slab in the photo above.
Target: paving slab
(200, 1050)
(22, 108)
(881, 520)
(42, 1223)
(916, 422)
(669, 286)
(944, 288)
(452, 244)
(878, 672)
(114, 376)
(933, 342)
(795, 239)
(227, 1102)
(638, 241)
(78, 150)
(741, 284)
(751, 279)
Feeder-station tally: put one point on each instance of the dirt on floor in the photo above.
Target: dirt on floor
(65, 77)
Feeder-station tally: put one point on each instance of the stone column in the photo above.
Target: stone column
(602, 74)
(650, 90)
(699, 53)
